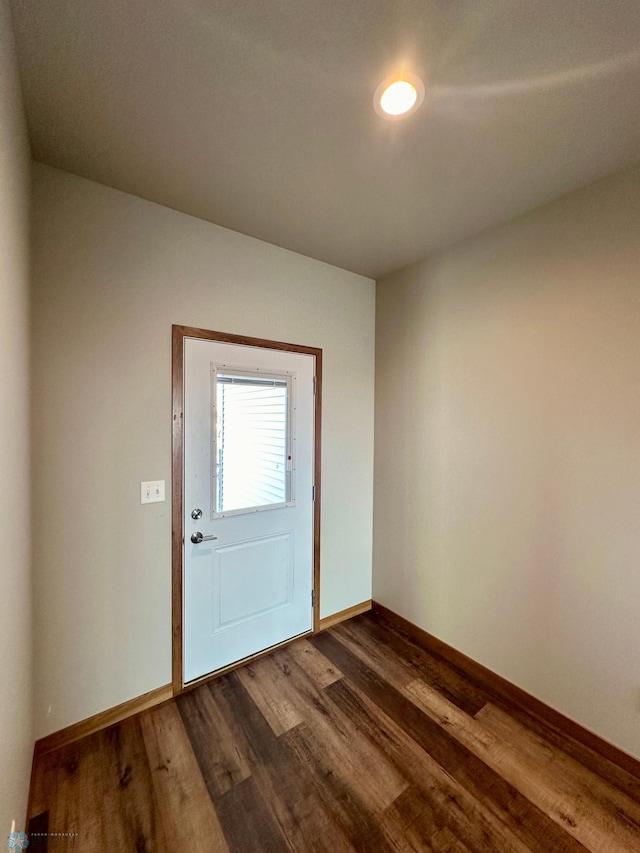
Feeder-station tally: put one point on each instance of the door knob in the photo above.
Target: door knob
(197, 538)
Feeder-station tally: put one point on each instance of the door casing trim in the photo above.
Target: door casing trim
(179, 333)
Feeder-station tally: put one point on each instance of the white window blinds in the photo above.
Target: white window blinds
(252, 437)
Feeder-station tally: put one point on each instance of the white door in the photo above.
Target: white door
(248, 496)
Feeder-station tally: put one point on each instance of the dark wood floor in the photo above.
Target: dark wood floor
(355, 739)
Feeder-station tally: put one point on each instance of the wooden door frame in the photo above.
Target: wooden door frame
(179, 333)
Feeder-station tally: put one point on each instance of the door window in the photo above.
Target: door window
(252, 453)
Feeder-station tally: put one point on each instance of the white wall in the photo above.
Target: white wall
(111, 274)
(16, 735)
(507, 475)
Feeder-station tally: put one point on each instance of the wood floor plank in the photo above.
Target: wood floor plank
(76, 814)
(611, 773)
(350, 755)
(596, 762)
(452, 684)
(582, 818)
(446, 842)
(185, 807)
(404, 839)
(349, 812)
(38, 833)
(549, 761)
(43, 783)
(102, 797)
(354, 739)
(321, 671)
(222, 766)
(377, 656)
(447, 800)
(400, 822)
(129, 808)
(531, 824)
(282, 782)
(247, 821)
(267, 686)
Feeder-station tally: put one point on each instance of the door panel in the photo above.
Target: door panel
(248, 476)
(253, 578)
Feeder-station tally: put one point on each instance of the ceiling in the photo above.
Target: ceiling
(257, 114)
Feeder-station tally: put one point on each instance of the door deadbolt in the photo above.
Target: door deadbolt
(196, 514)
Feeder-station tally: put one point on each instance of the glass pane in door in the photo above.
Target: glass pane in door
(252, 436)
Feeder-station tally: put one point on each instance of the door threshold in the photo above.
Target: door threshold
(210, 676)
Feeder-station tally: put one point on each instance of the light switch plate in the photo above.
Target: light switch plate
(152, 492)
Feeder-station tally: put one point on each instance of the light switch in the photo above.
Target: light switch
(152, 492)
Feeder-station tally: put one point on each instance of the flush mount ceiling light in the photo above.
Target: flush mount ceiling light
(398, 96)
